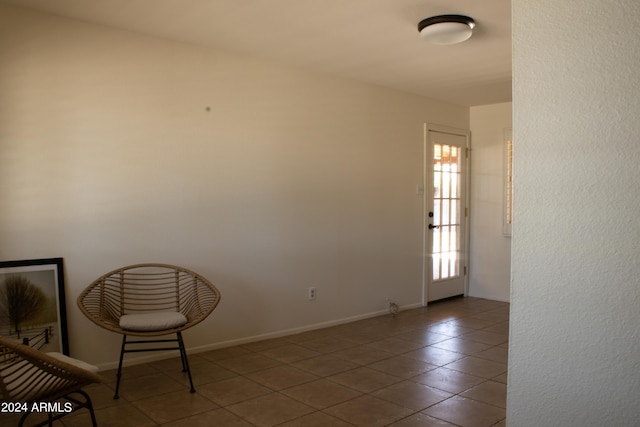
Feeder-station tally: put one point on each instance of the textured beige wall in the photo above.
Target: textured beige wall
(117, 148)
(575, 342)
(490, 250)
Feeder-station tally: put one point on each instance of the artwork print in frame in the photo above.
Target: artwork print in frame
(32, 303)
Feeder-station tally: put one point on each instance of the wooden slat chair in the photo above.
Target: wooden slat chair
(30, 377)
(149, 300)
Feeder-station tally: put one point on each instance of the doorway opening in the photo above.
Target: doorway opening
(445, 221)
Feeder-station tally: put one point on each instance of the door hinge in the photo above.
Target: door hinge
(465, 270)
(466, 153)
(466, 212)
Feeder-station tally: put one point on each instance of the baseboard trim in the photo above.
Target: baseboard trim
(246, 340)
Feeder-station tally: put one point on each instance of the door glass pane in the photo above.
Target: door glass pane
(456, 264)
(455, 190)
(453, 208)
(445, 212)
(446, 179)
(437, 157)
(444, 247)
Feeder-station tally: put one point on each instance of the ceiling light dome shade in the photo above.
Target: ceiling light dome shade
(446, 29)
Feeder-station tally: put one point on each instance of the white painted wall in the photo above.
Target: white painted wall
(490, 251)
(574, 356)
(108, 157)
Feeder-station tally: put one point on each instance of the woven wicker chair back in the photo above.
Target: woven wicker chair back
(144, 288)
(27, 374)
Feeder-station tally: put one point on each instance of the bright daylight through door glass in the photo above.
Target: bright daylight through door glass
(446, 211)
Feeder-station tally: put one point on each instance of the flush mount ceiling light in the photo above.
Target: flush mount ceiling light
(446, 29)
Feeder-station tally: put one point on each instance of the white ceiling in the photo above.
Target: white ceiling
(376, 41)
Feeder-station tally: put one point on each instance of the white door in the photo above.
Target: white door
(446, 214)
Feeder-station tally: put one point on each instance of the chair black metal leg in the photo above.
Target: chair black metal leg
(185, 361)
(78, 404)
(183, 355)
(119, 374)
(181, 348)
(89, 405)
(47, 422)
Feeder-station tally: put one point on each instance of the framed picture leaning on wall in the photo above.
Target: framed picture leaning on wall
(32, 303)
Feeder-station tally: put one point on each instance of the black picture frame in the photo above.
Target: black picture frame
(34, 286)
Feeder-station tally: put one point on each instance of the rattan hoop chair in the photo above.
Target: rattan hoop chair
(149, 300)
(30, 377)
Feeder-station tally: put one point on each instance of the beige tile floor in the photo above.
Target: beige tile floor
(444, 365)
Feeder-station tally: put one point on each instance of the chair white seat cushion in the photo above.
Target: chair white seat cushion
(75, 362)
(152, 321)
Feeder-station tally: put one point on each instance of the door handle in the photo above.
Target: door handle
(431, 226)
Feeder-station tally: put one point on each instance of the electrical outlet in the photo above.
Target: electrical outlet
(312, 293)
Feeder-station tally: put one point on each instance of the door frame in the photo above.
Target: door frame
(427, 169)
